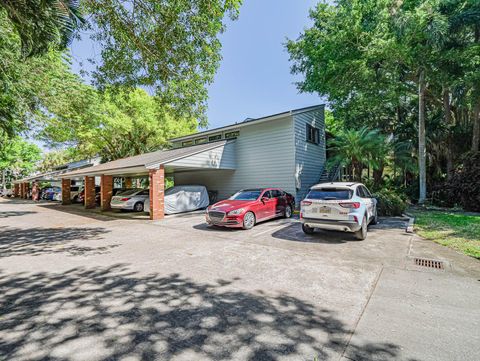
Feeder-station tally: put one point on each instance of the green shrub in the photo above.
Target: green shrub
(464, 187)
(390, 203)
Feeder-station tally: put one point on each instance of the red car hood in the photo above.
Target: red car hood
(229, 205)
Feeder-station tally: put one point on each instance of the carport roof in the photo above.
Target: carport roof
(144, 160)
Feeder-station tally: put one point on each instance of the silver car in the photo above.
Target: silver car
(131, 199)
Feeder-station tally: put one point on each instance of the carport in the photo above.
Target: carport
(22, 186)
(155, 165)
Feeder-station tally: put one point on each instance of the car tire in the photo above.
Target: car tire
(307, 230)
(138, 207)
(248, 220)
(375, 218)
(361, 234)
(288, 212)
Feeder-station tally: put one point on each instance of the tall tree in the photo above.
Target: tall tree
(169, 46)
(43, 24)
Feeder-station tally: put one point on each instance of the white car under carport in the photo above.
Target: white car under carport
(131, 199)
(186, 198)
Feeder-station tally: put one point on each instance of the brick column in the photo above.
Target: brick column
(16, 190)
(106, 192)
(66, 184)
(21, 190)
(27, 188)
(157, 187)
(35, 192)
(89, 185)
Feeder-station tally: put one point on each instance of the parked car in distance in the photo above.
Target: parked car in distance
(131, 199)
(249, 206)
(49, 193)
(74, 193)
(184, 198)
(6, 192)
(341, 206)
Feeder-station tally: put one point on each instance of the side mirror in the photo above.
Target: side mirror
(264, 199)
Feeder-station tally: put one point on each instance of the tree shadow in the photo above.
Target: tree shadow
(112, 313)
(9, 214)
(39, 241)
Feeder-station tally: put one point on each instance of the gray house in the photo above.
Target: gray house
(285, 150)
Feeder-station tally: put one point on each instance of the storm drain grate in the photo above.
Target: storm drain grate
(430, 263)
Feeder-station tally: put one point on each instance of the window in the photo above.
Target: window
(313, 134)
(363, 192)
(231, 135)
(329, 194)
(276, 193)
(246, 195)
(215, 137)
(200, 140)
(267, 194)
(187, 143)
(145, 192)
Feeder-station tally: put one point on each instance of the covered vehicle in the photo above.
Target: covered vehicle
(186, 198)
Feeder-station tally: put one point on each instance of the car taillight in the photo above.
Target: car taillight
(350, 205)
(125, 199)
(306, 203)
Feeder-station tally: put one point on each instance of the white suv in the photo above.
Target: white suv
(340, 206)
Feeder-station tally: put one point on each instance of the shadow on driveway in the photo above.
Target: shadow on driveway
(9, 214)
(111, 313)
(39, 241)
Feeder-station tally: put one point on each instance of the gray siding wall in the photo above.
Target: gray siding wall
(265, 157)
(222, 157)
(309, 158)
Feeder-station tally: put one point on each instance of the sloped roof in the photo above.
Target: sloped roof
(141, 160)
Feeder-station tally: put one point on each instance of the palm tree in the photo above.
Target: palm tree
(357, 149)
(42, 24)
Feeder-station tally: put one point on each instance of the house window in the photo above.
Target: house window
(187, 143)
(313, 134)
(231, 135)
(201, 140)
(215, 137)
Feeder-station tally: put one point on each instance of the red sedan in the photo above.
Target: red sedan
(249, 206)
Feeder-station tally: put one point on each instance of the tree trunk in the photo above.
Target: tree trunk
(377, 175)
(476, 126)
(422, 173)
(448, 120)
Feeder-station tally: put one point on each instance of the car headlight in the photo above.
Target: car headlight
(235, 212)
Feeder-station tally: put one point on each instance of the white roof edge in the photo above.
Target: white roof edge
(153, 165)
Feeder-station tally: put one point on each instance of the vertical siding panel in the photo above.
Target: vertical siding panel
(309, 158)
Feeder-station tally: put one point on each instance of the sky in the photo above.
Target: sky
(254, 76)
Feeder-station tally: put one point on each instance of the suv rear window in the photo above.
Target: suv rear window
(330, 194)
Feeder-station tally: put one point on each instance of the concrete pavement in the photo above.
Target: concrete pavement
(77, 286)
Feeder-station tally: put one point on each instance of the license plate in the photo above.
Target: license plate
(324, 210)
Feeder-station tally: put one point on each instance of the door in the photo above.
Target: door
(363, 193)
(268, 206)
(281, 201)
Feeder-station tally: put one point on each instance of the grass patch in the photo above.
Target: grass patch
(457, 230)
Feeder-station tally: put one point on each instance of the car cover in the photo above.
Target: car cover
(186, 198)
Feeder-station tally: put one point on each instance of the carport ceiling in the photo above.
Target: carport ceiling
(139, 165)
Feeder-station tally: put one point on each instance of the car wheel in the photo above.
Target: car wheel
(248, 220)
(138, 207)
(288, 212)
(375, 217)
(307, 230)
(361, 234)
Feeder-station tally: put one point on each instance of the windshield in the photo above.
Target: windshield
(330, 194)
(128, 192)
(246, 195)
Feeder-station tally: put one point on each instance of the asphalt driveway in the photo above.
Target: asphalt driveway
(81, 286)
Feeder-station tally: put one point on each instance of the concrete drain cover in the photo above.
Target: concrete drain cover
(430, 263)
